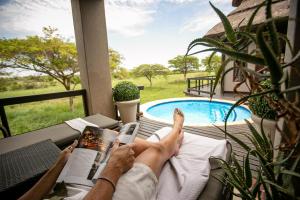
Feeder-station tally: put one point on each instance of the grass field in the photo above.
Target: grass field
(31, 116)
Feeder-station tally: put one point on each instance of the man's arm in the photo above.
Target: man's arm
(121, 161)
(45, 184)
(103, 189)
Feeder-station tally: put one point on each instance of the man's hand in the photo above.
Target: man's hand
(120, 161)
(122, 157)
(65, 154)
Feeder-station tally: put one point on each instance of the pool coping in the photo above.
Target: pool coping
(147, 105)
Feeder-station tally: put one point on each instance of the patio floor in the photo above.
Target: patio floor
(148, 127)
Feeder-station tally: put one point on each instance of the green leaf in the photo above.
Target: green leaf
(287, 178)
(285, 39)
(270, 59)
(286, 158)
(291, 89)
(278, 187)
(235, 180)
(242, 100)
(289, 172)
(255, 73)
(247, 171)
(258, 138)
(272, 29)
(247, 35)
(224, 74)
(240, 142)
(267, 141)
(293, 61)
(235, 55)
(218, 75)
(267, 192)
(256, 187)
(207, 42)
(237, 166)
(230, 34)
(267, 169)
(249, 24)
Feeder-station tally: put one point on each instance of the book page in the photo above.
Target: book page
(93, 150)
(78, 167)
(79, 124)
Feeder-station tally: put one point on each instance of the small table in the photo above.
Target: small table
(20, 168)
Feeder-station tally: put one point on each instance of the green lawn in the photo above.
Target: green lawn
(31, 116)
(162, 88)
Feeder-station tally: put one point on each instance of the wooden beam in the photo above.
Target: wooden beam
(91, 41)
(293, 32)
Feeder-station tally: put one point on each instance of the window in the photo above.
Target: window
(237, 73)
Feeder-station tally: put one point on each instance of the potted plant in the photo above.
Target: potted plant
(262, 111)
(127, 96)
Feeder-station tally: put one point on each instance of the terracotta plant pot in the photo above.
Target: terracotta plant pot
(128, 110)
(269, 126)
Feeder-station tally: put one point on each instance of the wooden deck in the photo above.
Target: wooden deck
(217, 95)
(148, 127)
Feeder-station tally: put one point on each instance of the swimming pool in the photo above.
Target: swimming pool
(197, 111)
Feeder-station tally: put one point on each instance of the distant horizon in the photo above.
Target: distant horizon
(142, 31)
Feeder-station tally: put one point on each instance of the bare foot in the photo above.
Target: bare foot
(178, 118)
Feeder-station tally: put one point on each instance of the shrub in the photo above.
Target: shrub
(16, 86)
(28, 86)
(260, 106)
(3, 88)
(126, 91)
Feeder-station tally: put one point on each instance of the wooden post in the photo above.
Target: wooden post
(6, 131)
(293, 32)
(91, 42)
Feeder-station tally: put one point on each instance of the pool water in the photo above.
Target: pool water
(199, 112)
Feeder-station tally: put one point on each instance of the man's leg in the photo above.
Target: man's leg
(156, 154)
(140, 145)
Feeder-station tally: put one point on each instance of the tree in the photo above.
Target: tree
(212, 64)
(115, 60)
(121, 73)
(3, 80)
(184, 64)
(150, 71)
(49, 54)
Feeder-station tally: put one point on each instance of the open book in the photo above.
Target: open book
(89, 157)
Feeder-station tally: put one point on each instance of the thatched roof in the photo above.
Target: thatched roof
(236, 3)
(280, 10)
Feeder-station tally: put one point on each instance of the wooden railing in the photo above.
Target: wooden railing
(198, 85)
(34, 98)
(42, 97)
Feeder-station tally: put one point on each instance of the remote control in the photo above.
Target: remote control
(128, 132)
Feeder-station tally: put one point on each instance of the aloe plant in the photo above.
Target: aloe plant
(276, 176)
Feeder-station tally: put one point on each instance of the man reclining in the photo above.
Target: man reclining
(131, 173)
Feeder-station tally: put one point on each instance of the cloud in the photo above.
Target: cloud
(207, 18)
(20, 18)
(180, 1)
(129, 17)
(125, 17)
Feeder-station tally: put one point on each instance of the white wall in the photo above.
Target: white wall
(229, 84)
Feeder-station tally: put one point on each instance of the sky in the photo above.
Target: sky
(142, 31)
